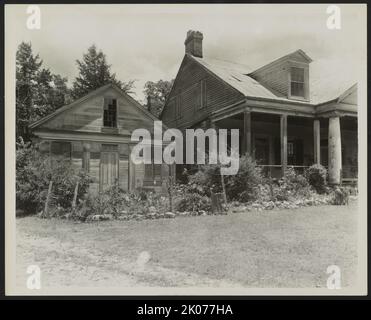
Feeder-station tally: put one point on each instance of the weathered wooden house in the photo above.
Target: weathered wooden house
(288, 112)
(94, 132)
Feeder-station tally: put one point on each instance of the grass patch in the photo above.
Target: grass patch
(276, 248)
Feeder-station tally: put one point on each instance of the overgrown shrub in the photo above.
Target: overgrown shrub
(35, 170)
(340, 196)
(206, 180)
(316, 176)
(193, 202)
(243, 186)
(291, 185)
(117, 202)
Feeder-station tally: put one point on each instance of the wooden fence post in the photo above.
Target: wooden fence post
(216, 206)
(47, 198)
(223, 186)
(75, 196)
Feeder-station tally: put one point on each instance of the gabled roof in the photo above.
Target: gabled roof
(88, 96)
(324, 86)
(293, 55)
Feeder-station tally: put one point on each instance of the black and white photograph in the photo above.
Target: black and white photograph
(186, 149)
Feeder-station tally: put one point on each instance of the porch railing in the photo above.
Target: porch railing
(275, 171)
(348, 173)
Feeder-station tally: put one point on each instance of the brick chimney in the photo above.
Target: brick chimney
(193, 43)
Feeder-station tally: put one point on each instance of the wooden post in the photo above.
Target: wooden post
(131, 172)
(47, 199)
(283, 127)
(246, 145)
(75, 196)
(317, 141)
(223, 187)
(86, 157)
(129, 159)
(170, 188)
(271, 156)
(216, 206)
(334, 151)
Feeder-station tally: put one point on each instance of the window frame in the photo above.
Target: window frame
(305, 68)
(106, 106)
(292, 81)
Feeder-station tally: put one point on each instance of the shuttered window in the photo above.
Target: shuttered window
(297, 82)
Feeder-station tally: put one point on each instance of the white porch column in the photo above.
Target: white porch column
(317, 141)
(283, 127)
(334, 150)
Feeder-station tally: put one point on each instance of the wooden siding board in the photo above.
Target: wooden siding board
(88, 115)
(275, 77)
(188, 85)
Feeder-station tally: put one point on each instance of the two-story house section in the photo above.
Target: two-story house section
(288, 112)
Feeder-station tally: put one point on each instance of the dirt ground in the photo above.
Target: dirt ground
(278, 248)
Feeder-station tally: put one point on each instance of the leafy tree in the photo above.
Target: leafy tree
(94, 72)
(156, 94)
(38, 91)
(27, 68)
(52, 93)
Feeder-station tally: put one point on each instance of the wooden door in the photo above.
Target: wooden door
(108, 169)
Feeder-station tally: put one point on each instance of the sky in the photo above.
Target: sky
(146, 42)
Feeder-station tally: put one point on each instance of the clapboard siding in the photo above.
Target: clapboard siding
(275, 77)
(187, 92)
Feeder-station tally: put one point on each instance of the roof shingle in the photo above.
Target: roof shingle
(324, 86)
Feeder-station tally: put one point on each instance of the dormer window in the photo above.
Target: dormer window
(110, 113)
(297, 84)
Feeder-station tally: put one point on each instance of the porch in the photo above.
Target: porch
(277, 141)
